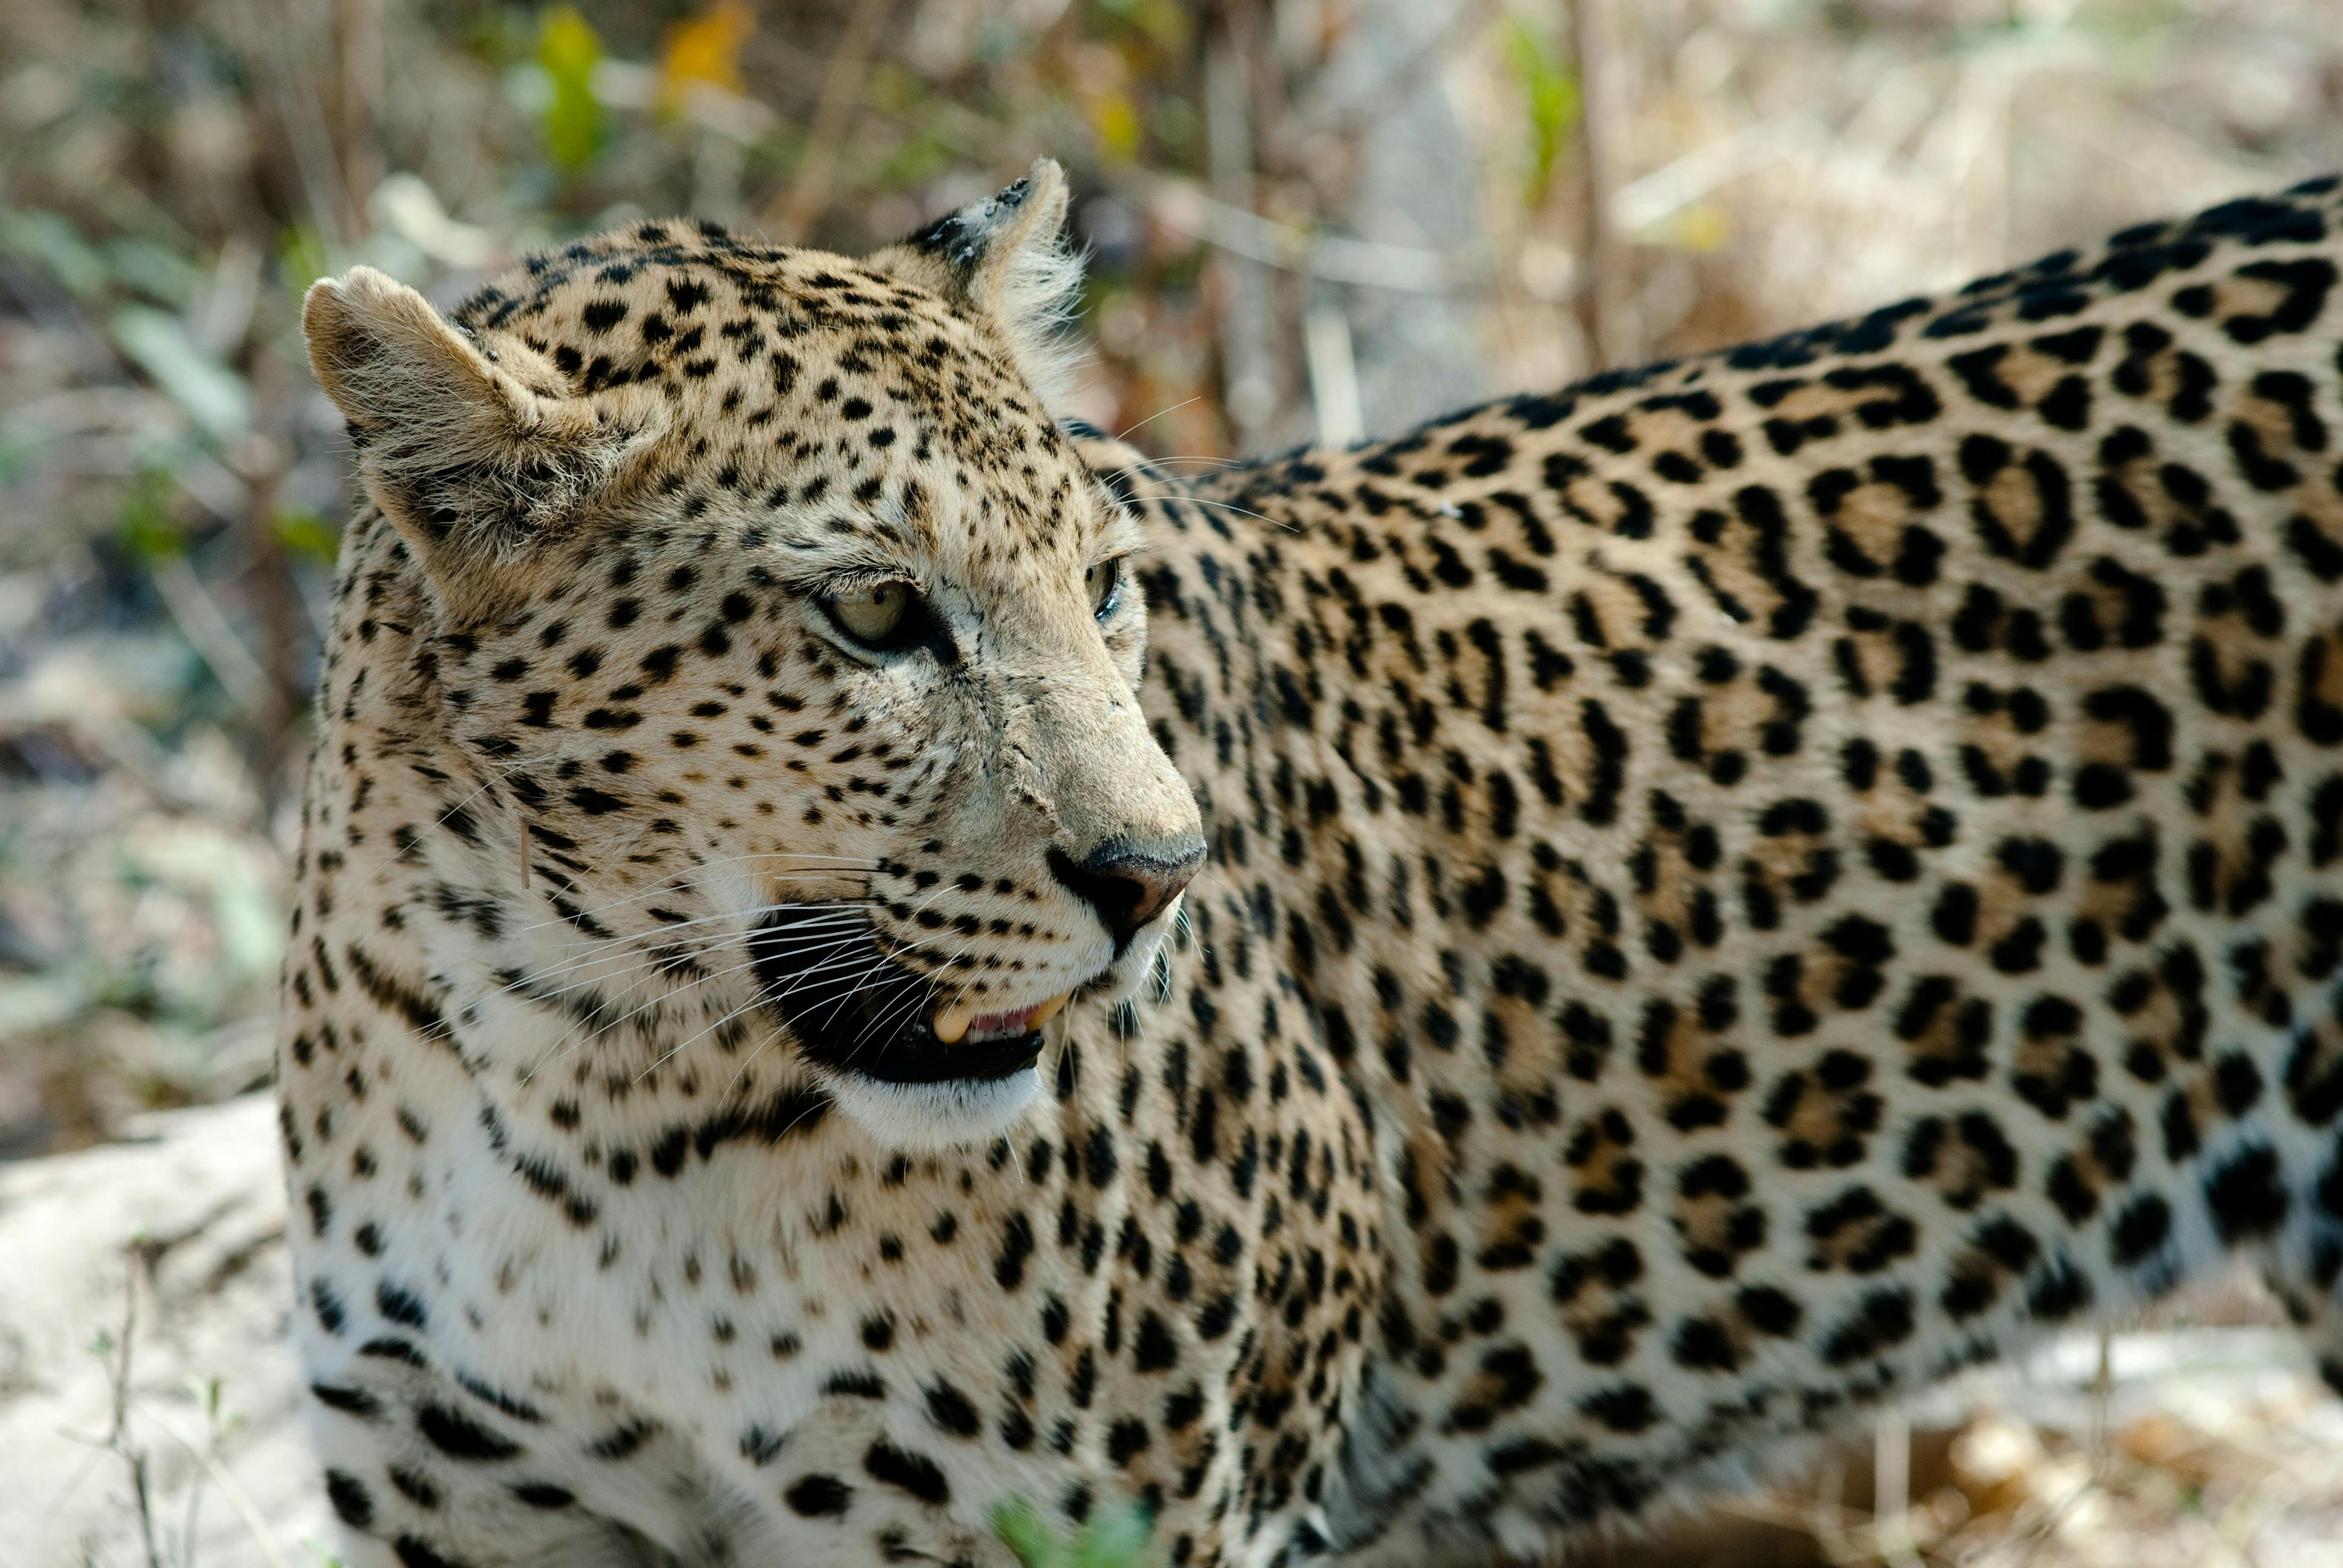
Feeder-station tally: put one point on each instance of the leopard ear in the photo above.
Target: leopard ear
(476, 453)
(1007, 257)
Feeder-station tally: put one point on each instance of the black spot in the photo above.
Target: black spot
(912, 1472)
(400, 1305)
(622, 1441)
(1016, 1246)
(951, 1412)
(818, 1497)
(2062, 1291)
(352, 1503)
(2139, 1230)
(855, 1385)
(1769, 1311)
(1627, 1408)
(1702, 1345)
(413, 1551)
(1154, 1348)
(2245, 1195)
(1125, 1440)
(1880, 1321)
(459, 1436)
(332, 1316)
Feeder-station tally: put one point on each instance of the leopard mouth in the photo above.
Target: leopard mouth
(854, 1009)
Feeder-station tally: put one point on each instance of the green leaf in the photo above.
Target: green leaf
(154, 272)
(19, 453)
(55, 245)
(917, 159)
(307, 533)
(1117, 1538)
(1551, 86)
(301, 258)
(568, 50)
(1028, 1534)
(212, 395)
(146, 523)
(1165, 23)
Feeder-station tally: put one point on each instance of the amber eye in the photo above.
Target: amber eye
(876, 615)
(1104, 582)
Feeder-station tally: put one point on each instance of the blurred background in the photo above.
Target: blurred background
(1307, 219)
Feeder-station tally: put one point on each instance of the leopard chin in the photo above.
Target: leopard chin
(934, 1117)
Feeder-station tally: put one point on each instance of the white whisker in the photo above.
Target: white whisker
(604, 1025)
(1174, 408)
(1225, 506)
(604, 955)
(843, 865)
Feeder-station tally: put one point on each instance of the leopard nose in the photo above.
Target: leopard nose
(1129, 884)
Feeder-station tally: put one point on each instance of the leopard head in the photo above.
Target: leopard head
(772, 599)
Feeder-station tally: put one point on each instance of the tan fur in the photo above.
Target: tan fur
(1737, 889)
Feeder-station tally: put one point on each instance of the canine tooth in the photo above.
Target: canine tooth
(1047, 1011)
(952, 1023)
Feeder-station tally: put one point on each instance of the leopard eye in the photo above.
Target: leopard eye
(872, 616)
(1104, 582)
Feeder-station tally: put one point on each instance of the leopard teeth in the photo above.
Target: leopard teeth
(951, 1023)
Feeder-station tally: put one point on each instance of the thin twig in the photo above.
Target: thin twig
(118, 1438)
(1246, 314)
(841, 90)
(255, 1526)
(1599, 278)
(303, 117)
(208, 630)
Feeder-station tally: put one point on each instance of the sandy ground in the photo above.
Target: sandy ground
(2201, 1442)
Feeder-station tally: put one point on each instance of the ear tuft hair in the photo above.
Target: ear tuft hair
(1009, 257)
(468, 459)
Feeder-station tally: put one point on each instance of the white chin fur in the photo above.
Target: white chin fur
(935, 1116)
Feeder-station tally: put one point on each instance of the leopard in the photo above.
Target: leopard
(868, 957)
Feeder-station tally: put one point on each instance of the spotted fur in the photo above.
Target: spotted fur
(1736, 888)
